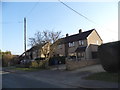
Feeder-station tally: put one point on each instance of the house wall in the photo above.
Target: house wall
(34, 54)
(44, 50)
(93, 41)
(91, 48)
(28, 55)
(72, 49)
(94, 48)
(88, 53)
(60, 50)
(93, 38)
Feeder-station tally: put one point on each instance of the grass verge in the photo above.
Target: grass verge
(27, 69)
(104, 76)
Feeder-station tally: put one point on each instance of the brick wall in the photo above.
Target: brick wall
(74, 64)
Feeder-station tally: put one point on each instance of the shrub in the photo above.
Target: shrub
(6, 59)
(108, 55)
(34, 64)
(39, 64)
(57, 60)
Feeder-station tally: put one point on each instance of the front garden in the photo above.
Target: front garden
(105, 76)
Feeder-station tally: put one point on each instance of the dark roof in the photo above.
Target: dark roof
(80, 49)
(33, 48)
(75, 37)
(36, 47)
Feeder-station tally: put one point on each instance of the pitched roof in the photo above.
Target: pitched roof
(37, 47)
(75, 37)
(80, 49)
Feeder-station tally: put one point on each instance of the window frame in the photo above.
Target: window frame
(71, 44)
(81, 42)
(59, 46)
(81, 54)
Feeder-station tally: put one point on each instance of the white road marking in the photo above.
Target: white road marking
(2, 72)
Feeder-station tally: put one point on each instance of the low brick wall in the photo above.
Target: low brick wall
(74, 64)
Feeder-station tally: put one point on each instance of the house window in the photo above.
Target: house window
(71, 44)
(60, 54)
(71, 54)
(81, 42)
(81, 54)
(59, 46)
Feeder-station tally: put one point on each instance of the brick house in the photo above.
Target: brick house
(82, 45)
(36, 52)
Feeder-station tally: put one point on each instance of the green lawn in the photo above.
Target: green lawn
(104, 76)
(26, 69)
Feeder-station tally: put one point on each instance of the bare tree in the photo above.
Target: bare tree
(44, 37)
(51, 36)
(37, 39)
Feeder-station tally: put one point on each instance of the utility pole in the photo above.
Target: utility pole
(25, 36)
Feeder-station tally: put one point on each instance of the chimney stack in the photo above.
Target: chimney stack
(67, 35)
(80, 30)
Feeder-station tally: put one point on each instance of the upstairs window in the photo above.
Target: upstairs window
(60, 46)
(81, 42)
(71, 44)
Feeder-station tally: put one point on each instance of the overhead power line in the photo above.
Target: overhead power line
(19, 22)
(84, 16)
(25, 15)
(32, 9)
(76, 12)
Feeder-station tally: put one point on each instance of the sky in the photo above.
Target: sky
(55, 16)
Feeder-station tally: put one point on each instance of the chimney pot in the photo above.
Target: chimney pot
(67, 35)
(80, 30)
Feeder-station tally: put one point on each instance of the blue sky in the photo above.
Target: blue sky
(55, 16)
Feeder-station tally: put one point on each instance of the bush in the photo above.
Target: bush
(34, 64)
(57, 60)
(25, 63)
(108, 55)
(39, 64)
(6, 59)
(40, 58)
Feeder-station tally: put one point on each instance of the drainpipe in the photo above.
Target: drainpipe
(76, 56)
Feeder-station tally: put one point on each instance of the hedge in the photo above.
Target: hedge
(57, 60)
(109, 56)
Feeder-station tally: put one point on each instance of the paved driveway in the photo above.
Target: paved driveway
(92, 69)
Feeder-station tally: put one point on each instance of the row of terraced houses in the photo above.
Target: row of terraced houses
(83, 45)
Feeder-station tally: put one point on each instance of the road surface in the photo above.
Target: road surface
(12, 80)
(53, 79)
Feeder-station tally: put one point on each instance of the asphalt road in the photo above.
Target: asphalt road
(50, 78)
(12, 80)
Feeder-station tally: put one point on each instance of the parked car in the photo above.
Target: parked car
(25, 61)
